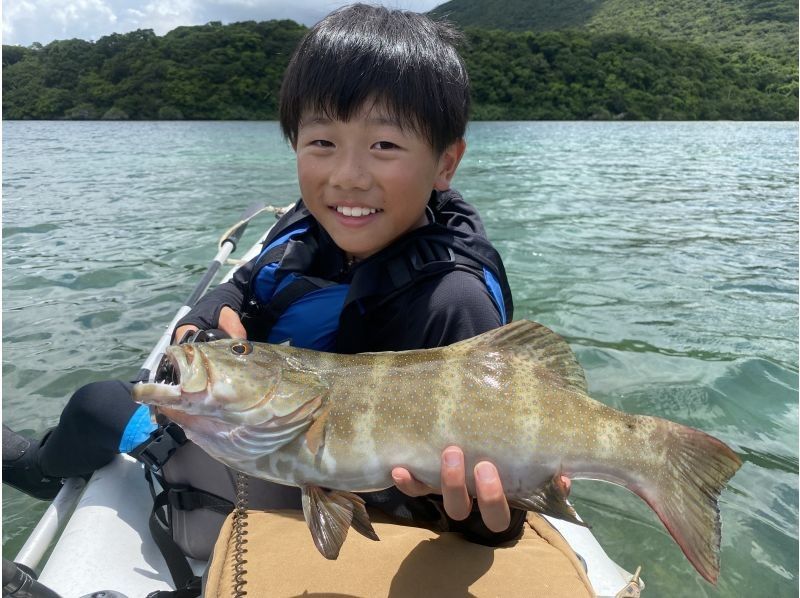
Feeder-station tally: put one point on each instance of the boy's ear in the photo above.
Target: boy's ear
(448, 163)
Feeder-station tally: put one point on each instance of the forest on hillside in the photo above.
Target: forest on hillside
(234, 71)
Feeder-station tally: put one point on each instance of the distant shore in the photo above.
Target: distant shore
(233, 72)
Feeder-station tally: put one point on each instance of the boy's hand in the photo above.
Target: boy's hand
(179, 333)
(229, 321)
(457, 501)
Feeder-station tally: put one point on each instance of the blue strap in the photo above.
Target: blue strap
(265, 279)
(285, 237)
(496, 292)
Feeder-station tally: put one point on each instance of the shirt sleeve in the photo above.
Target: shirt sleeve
(456, 307)
(434, 313)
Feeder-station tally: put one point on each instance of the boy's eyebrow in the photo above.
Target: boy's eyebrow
(380, 120)
(316, 119)
(384, 120)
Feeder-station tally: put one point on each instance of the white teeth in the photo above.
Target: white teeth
(356, 212)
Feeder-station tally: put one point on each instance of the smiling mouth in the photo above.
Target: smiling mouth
(355, 212)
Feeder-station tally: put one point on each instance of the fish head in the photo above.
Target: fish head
(231, 380)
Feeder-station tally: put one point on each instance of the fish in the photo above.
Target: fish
(335, 425)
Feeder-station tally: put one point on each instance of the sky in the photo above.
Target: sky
(28, 21)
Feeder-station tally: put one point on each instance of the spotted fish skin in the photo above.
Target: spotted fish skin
(514, 396)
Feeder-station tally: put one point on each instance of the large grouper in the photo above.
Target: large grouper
(516, 396)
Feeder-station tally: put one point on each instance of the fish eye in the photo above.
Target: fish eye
(242, 348)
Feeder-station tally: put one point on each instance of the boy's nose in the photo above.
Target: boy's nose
(350, 173)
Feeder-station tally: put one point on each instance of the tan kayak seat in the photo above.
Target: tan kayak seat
(407, 562)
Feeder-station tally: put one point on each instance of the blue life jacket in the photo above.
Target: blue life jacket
(287, 306)
(296, 309)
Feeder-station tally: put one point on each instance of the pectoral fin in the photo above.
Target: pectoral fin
(330, 513)
(265, 439)
(315, 437)
(550, 499)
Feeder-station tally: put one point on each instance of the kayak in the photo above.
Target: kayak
(94, 537)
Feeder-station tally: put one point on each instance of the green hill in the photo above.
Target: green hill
(683, 59)
(518, 15)
(213, 71)
(765, 26)
(650, 59)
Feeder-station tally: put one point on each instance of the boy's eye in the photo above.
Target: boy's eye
(384, 145)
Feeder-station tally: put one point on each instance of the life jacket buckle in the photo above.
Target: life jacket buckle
(161, 445)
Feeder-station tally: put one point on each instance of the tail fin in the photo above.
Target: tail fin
(685, 495)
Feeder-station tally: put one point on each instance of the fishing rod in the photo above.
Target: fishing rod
(226, 246)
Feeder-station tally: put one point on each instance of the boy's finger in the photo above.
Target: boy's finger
(491, 498)
(457, 501)
(407, 484)
(181, 332)
(230, 322)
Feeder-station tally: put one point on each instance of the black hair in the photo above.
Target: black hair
(402, 60)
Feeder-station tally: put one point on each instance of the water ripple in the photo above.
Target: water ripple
(666, 253)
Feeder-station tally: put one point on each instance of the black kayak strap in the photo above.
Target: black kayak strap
(178, 565)
(185, 498)
(154, 453)
(191, 590)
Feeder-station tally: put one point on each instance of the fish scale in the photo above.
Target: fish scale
(516, 396)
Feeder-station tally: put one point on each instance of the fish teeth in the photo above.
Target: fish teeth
(156, 393)
(357, 211)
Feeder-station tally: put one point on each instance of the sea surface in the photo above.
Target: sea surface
(665, 253)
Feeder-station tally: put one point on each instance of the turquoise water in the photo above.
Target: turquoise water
(666, 253)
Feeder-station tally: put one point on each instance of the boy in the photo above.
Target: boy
(379, 254)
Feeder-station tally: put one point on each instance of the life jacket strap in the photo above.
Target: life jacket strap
(179, 568)
(415, 259)
(192, 589)
(268, 315)
(273, 254)
(188, 498)
(424, 257)
(184, 498)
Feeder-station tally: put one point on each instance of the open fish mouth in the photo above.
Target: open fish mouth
(167, 371)
(181, 373)
(166, 388)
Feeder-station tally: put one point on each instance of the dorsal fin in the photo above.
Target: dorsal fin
(534, 342)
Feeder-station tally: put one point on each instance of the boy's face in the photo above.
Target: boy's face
(367, 181)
